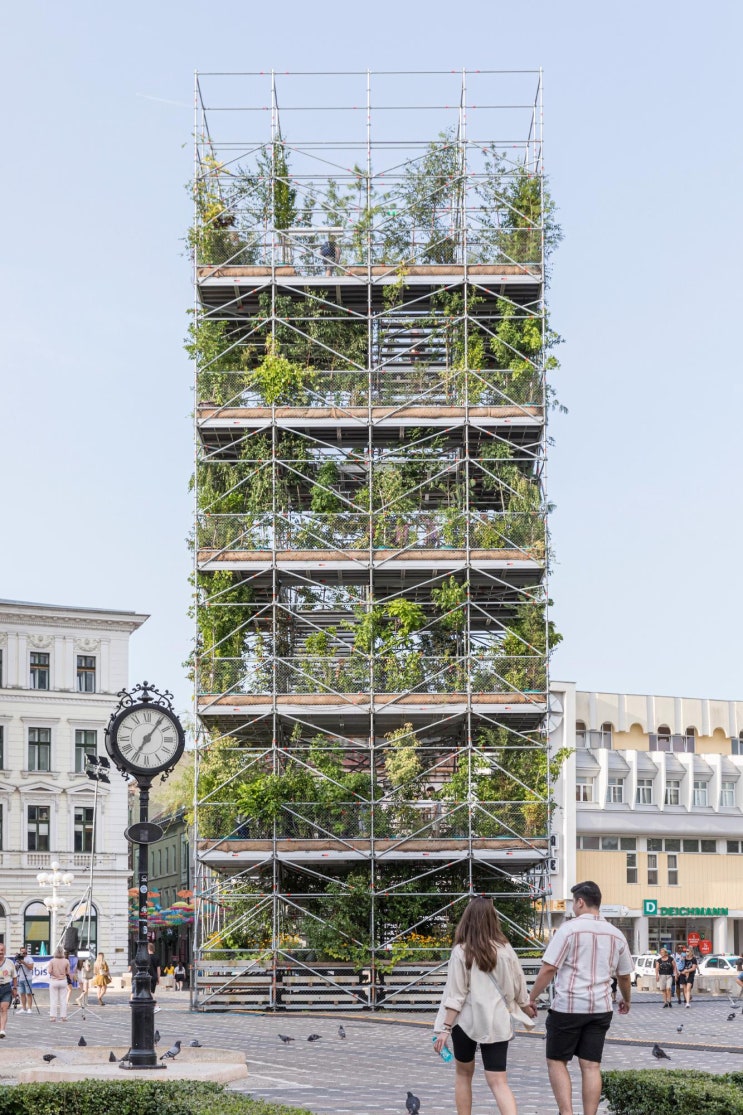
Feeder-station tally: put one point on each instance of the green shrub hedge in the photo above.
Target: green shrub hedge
(673, 1092)
(133, 1097)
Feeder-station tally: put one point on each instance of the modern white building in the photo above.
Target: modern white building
(650, 806)
(60, 670)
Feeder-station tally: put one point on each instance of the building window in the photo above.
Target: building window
(644, 791)
(38, 828)
(39, 749)
(673, 791)
(36, 927)
(584, 789)
(580, 734)
(86, 673)
(607, 735)
(86, 746)
(727, 795)
(84, 828)
(589, 843)
(655, 844)
(594, 738)
(628, 843)
(734, 846)
(615, 791)
(673, 871)
(609, 843)
(709, 847)
(663, 740)
(691, 845)
(700, 793)
(39, 670)
(652, 870)
(631, 867)
(671, 844)
(736, 743)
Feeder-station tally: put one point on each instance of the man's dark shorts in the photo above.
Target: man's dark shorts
(576, 1035)
(6, 993)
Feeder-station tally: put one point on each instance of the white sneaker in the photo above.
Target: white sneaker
(2, 1033)
(29, 1011)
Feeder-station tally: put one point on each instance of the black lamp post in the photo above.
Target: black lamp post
(144, 738)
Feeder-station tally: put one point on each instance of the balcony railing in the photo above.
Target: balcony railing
(302, 249)
(421, 384)
(388, 819)
(354, 674)
(383, 530)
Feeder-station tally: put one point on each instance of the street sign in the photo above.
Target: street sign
(144, 832)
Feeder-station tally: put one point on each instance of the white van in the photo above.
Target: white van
(644, 971)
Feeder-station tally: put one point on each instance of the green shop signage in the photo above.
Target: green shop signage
(651, 909)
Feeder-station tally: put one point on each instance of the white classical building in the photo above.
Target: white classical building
(650, 805)
(60, 670)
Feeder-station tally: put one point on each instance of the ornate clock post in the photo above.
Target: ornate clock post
(144, 738)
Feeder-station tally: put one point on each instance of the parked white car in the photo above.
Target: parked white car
(718, 965)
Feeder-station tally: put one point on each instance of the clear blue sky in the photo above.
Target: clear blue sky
(644, 154)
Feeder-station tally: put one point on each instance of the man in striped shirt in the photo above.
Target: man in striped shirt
(582, 958)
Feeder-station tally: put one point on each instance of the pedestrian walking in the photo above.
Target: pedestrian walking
(24, 968)
(101, 978)
(485, 990)
(581, 958)
(8, 987)
(59, 970)
(179, 976)
(679, 956)
(87, 973)
(665, 973)
(686, 978)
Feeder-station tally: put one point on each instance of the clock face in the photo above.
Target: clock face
(147, 739)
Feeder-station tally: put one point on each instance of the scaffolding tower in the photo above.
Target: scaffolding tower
(371, 664)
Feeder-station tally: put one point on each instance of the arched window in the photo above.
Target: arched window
(36, 927)
(607, 735)
(690, 740)
(736, 743)
(580, 733)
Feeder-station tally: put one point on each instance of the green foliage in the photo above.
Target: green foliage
(402, 764)
(323, 498)
(448, 598)
(672, 1092)
(284, 193)
(133, 1097)
(277, 379)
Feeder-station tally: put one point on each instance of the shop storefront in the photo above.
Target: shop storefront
(672, 926)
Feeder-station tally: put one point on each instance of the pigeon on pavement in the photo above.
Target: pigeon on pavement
(157, 1037)
(82, 1041)
(731, 1016)
(285, 1038)
(660, 1054)
(172, 1053)
(413, 1104)
(112, 1056)
(195, 1044)
(48, 1057)
(679, 1028)
(341, 1032)
(314, 1037)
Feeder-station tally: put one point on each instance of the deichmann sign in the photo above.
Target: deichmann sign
(651, 909)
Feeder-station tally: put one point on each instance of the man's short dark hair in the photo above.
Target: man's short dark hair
(589, 892)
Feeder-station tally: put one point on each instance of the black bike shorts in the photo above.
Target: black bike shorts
(581, 1035)
(494, 1054)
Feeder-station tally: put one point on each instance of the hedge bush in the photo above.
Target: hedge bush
(673, 1092)
(133, 1097)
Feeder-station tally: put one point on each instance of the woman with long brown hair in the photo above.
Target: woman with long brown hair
(485, 990)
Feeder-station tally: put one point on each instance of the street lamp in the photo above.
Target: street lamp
(97, 769)
(54, 879)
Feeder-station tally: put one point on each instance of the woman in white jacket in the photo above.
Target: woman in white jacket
(485, 990)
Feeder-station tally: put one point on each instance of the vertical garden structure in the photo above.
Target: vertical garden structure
(371, 347)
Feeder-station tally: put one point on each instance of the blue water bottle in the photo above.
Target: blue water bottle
(446, 1053)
